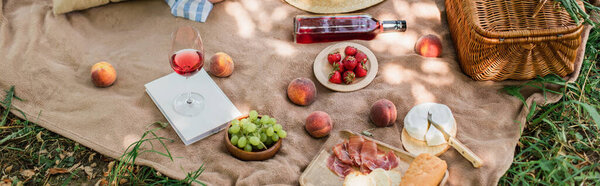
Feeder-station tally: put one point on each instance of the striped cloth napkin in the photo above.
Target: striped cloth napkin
(196, 10)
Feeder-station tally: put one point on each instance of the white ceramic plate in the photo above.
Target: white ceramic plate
(322, 68)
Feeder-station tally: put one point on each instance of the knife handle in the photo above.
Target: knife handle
(465, 152)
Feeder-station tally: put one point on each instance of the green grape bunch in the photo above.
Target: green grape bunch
(254, 133)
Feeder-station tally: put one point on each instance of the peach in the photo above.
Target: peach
(221, 65)
(318, 124)
(383, 113)
(429, 46)
(103, 74)
(302, 91)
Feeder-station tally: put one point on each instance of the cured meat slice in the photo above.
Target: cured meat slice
(387, 161)
(354, 147)
(342, 153)
(338, 167)
(392, 161)
(362, 154)
(368, 154)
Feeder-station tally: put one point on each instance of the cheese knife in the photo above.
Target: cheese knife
(460, 147)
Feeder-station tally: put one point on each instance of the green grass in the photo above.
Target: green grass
(577, 13)
(32, 155)
(561, 142)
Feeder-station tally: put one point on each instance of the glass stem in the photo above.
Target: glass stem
(189, 99)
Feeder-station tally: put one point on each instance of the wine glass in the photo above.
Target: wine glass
(187, 58)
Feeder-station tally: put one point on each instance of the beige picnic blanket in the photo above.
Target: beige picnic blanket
(48, 58)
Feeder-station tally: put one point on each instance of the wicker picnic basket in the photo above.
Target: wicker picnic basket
(513, 39)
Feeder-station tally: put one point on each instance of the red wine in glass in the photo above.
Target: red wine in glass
(187, 62)
(186, 59)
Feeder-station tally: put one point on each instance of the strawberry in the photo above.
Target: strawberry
(360, 70)
(349, 63)
(338, 66)
(334, 57)
(350, 51)
(348, 77)
(335, 77)
(361, 57)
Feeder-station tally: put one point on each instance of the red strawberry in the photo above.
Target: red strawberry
(360, 70)
(350, 51)
(349, 63)
(334, 57)
(335, 77)
(361, 57)
(338, 66)
(348, 77)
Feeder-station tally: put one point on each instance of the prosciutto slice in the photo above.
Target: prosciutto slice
(354, 149)
(368, 155)
(358, 153)
(338, 167)
(340, 151)
(387, 161)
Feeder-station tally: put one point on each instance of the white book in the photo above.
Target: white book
(218, 109)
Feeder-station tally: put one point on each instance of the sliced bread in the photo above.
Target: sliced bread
(358, 179)
(381, 177)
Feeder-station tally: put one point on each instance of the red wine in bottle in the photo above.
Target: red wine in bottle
(328, 28)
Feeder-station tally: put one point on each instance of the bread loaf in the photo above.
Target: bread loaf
(425, 170)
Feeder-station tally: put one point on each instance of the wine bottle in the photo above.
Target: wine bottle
(328, 28)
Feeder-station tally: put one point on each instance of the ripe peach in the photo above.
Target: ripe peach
(221, 65)
(318, 124)
(429, 46)
(383, 113)
(103, 74)
(302, 91)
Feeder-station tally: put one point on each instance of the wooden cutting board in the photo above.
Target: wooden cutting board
(317, 172)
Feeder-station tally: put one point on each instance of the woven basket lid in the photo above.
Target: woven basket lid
(519, 18)
(332, 6)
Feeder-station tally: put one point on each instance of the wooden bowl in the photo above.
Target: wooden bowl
(254, 155)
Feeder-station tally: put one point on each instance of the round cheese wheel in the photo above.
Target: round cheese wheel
(415, 121)
(442, 115)
(417, 126)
